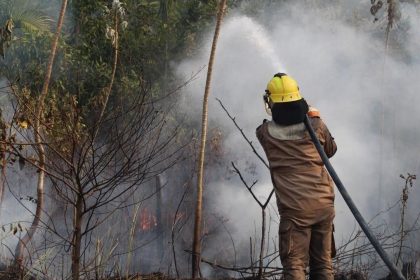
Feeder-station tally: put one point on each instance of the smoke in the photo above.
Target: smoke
(18, 198)
(337, 55)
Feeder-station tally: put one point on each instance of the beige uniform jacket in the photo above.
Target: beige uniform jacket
(304, 189)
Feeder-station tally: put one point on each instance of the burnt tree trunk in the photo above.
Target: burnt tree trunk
(159, 218)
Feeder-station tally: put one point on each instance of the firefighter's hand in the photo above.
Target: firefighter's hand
(313, 112)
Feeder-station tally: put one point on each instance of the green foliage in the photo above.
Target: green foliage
(156, 32)
(26, 59)
(151, 34)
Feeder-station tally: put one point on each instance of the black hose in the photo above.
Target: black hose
(394, 270)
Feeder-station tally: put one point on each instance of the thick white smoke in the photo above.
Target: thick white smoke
(337, 56)
(18, 198)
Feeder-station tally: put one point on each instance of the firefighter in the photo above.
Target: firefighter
(304, 190)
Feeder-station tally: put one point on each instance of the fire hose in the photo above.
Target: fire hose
(359, 218)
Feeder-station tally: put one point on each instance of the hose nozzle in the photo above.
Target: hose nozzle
(267, 103)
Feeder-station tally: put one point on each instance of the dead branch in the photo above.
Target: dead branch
(243, 270)
(243, 134)
(249, 188)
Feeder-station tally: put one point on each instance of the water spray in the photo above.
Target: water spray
(359, 218)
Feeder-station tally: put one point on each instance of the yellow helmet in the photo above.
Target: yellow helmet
(282, 88)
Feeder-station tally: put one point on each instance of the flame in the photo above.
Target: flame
(147, 221)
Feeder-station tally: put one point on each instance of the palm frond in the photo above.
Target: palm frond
(32, 21)
(25, 14)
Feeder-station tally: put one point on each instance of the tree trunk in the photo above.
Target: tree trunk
(159, 219)
(77, 238)
(38, 142)
(196, 257)
(78, 211)
(262, 246)
(111, 82)
(3, 167)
